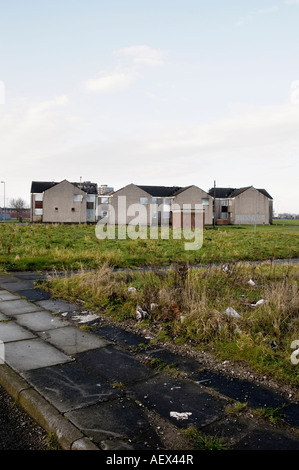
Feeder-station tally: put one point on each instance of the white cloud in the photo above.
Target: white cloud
(111, 83)
(143, 55)
(292, 2)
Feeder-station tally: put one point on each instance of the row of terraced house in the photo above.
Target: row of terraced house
(86, 202)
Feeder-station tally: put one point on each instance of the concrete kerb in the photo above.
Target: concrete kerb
(46, 415)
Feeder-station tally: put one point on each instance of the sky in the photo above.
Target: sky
(151, 92)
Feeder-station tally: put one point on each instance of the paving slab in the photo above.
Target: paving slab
(15, 307)
(58, 306)
(32, 354)
(244, 391)
(121, 337)
(33, 294)
(16, 285)
(71, 340)
(68, 386)
(41, 321)
(114, 365)
(6, 295)
(184, 364)
(11, 331)
(267, 440)
(120, 419)
(182, 402)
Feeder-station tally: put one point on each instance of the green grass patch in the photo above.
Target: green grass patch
(35, 247)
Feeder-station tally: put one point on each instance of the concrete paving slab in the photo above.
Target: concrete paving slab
(32, 354)
(182, 402)
(33, 294)
(72, 340)
(116, 420)
(114, 365)
(69, 386)
(11, 331)
(17, 285)
(244, 391)
(185, 364)
(3, 317)
(6, 295)
(15, 307)
(267, 440)
(58, 306)
(41, 321)
(121, 337)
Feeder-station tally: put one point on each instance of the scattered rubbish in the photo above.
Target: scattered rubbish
(225, 268)
(132, 289)
(85, 318)
(259, 302)
(178, 416)
(231, 312)
(141, 313)
(251, 282)
(175, 310)
(153, 306)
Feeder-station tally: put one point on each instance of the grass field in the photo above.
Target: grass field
(70, 247)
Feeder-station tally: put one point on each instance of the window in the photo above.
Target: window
(38, 212)
(154, 200)
(77, 198)
(89, 205)
(143, 200)
(38, 204)
(205, 201)
(104, 200)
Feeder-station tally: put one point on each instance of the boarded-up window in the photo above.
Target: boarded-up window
(38, 204)
(89, 205)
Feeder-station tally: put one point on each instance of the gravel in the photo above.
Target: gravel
(17, 430)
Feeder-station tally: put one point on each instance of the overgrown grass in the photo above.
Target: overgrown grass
(47, 247)
(185, 305)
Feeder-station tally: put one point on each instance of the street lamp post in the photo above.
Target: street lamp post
(4, 200)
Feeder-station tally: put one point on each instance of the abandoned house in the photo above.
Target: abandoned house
(243, 206)
(63, 202)
(163, 205)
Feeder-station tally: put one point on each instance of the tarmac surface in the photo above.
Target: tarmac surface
(93, 390)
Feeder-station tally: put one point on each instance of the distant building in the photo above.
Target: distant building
(163, 205)
(243, 206)
(63, 202)
(11, 214)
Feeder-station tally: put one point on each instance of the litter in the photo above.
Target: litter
(141, 313)
(231, 312)
(178, 416)
(132, 289)
(259, 302)
(251, 282)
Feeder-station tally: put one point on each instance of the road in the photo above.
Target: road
(17, 430)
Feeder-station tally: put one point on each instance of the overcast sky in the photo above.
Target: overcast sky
(161, 92)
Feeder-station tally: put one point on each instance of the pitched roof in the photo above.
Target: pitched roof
(161, 191)
(223, 193)
(41, 186)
